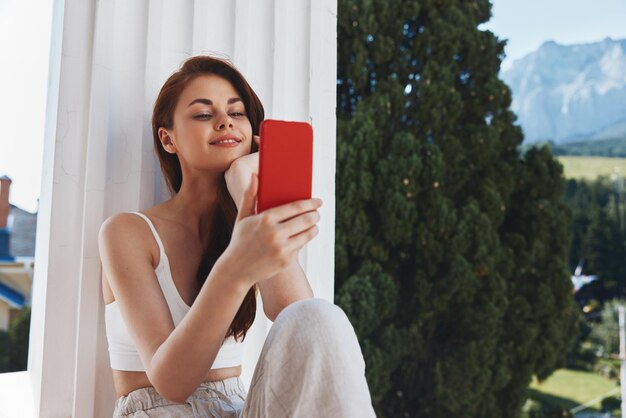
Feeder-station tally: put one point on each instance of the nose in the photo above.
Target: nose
(225, 121)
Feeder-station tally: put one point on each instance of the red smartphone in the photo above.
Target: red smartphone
(285, 163)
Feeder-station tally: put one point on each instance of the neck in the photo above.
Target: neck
(196, 202)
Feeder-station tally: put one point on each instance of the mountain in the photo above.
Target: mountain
(567, 93)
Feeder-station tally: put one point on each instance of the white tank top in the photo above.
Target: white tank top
(122, 350)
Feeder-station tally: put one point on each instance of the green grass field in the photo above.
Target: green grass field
(570, 388)
(591, 167)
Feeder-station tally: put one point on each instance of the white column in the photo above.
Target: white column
(58, 259)
(212, 20)
(108, 61)
(321, 88)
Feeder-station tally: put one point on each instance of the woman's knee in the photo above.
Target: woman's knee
(312, 313)
(312, 307)
(320, 332)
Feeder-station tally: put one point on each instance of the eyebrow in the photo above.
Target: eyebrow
(210, 103)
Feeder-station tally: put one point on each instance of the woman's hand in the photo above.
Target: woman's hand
(239, 173)
(264, 244)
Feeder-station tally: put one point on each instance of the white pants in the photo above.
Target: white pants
(311, 365)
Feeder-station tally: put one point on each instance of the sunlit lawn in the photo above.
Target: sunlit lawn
(570, 388)
(591, 167)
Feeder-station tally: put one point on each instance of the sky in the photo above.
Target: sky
(24, 48)
(24, 42)
(528, 24)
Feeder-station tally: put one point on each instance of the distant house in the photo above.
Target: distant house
(18, 230)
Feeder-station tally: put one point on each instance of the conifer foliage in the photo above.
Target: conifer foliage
(451, 247)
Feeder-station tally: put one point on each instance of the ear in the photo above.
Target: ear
(167, 141)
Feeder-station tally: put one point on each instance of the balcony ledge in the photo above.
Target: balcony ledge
(16, 395)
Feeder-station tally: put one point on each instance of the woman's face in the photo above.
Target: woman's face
(211, 128)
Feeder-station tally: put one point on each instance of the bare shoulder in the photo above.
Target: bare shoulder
(122, 227)
(126, 236)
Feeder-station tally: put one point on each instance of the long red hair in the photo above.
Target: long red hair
(224, 220)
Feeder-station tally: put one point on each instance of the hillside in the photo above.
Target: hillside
(614, 147)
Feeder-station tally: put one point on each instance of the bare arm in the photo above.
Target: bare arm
(176, 360)
(281, 290)
(291, 283)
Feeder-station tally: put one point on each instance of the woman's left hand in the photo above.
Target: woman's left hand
(239, 174)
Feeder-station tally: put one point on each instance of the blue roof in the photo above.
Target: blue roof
(11, 296)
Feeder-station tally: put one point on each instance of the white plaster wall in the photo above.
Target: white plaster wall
(108, 60)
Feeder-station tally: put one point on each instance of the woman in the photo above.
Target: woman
(180, 278)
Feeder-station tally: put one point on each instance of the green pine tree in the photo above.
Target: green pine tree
(5, 352)
(599, 235)
(607, 252)
(19, 332)
(451, 248)
(14, 343)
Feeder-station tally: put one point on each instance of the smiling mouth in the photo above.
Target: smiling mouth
(225, 140)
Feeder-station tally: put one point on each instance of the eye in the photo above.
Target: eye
(237, 114)
(203, 116)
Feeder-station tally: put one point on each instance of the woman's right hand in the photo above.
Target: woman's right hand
(263, 244)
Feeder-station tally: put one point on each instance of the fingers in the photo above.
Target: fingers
(290, 210)
(300, 240)
(248, 202)
(300, 223)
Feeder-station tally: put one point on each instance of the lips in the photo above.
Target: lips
(225, 140)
